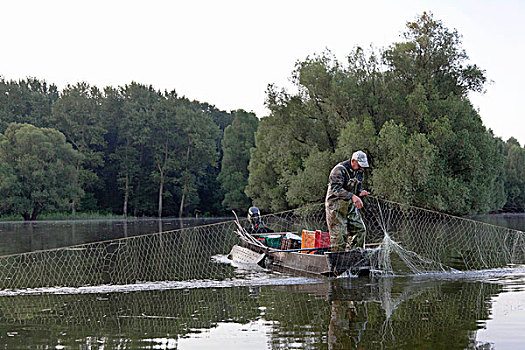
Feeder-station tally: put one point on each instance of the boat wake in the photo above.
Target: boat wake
(247, 275)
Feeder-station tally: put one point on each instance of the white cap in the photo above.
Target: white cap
(360, 156)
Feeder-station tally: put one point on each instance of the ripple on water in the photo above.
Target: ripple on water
(247, 275)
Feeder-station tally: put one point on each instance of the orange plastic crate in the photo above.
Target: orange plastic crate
(315, 239)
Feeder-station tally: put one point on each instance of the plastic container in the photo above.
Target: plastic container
(290, 241)
(315, 239)
(273, 241)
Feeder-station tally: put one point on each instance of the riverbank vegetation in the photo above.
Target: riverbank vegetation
(134, 150)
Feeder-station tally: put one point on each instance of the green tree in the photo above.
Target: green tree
(419, 86)
(515, 176)
(39, 170)
(221, 118)
(470, 158)
(133, 154)
(263, 182)
(109, 197)
(209, 189)
(404, 165)
(119, 132)
(26, 101)
(78, 116)
(302, 133)
(239, 139)
(309, 184)
(357, 136)
(429, 70)
(165, 139)
(431, 56)
(198, 151)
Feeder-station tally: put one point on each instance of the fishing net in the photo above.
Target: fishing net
(413, 240)
(416, 240)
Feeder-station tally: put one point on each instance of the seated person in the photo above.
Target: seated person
(256, 223)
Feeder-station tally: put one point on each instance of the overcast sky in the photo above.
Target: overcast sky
(226, 52)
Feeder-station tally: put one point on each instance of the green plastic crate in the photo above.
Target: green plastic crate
(273, 241)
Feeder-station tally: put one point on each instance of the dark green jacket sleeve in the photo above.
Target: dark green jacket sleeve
(338, 180)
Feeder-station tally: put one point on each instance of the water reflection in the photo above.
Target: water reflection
(337, 314)
(511, 220)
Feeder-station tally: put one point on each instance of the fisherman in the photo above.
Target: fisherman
(256, 223)
(343, 201)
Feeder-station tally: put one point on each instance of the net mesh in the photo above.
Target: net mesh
(416, 240)
(413, 240)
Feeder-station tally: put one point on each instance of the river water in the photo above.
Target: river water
(253, 308)
(19, 237)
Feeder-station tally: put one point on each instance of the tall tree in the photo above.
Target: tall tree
(263, 181)
(164, 141)
(515, 175)
(304, 128)
(239, 139)
(210, 200)
(133, 154)
(198, 135)
(77, 115)
(431, 55)
(39, 170)
(108, 197)
(431, 69)
(418, 90)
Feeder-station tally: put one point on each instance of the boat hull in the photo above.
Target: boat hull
(354, 262)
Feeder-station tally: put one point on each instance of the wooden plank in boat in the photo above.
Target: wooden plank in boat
(302, 262)
(245, 255)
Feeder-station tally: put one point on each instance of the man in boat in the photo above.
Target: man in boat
(256, 223)
(343, 201)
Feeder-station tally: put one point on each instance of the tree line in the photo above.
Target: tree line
(134, 150)
(130, 150)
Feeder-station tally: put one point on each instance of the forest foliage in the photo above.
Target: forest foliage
(138, 151)
(134, 150)
(407, 106)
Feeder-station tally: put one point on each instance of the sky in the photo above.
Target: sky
(226, 52)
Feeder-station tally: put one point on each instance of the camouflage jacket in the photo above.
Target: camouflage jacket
(344, 182)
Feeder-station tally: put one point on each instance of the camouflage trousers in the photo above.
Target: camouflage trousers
(345, 225)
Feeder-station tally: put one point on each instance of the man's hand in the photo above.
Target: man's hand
(357, 201)
(364, 193)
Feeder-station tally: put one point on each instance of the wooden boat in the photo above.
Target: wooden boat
(317, 261)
